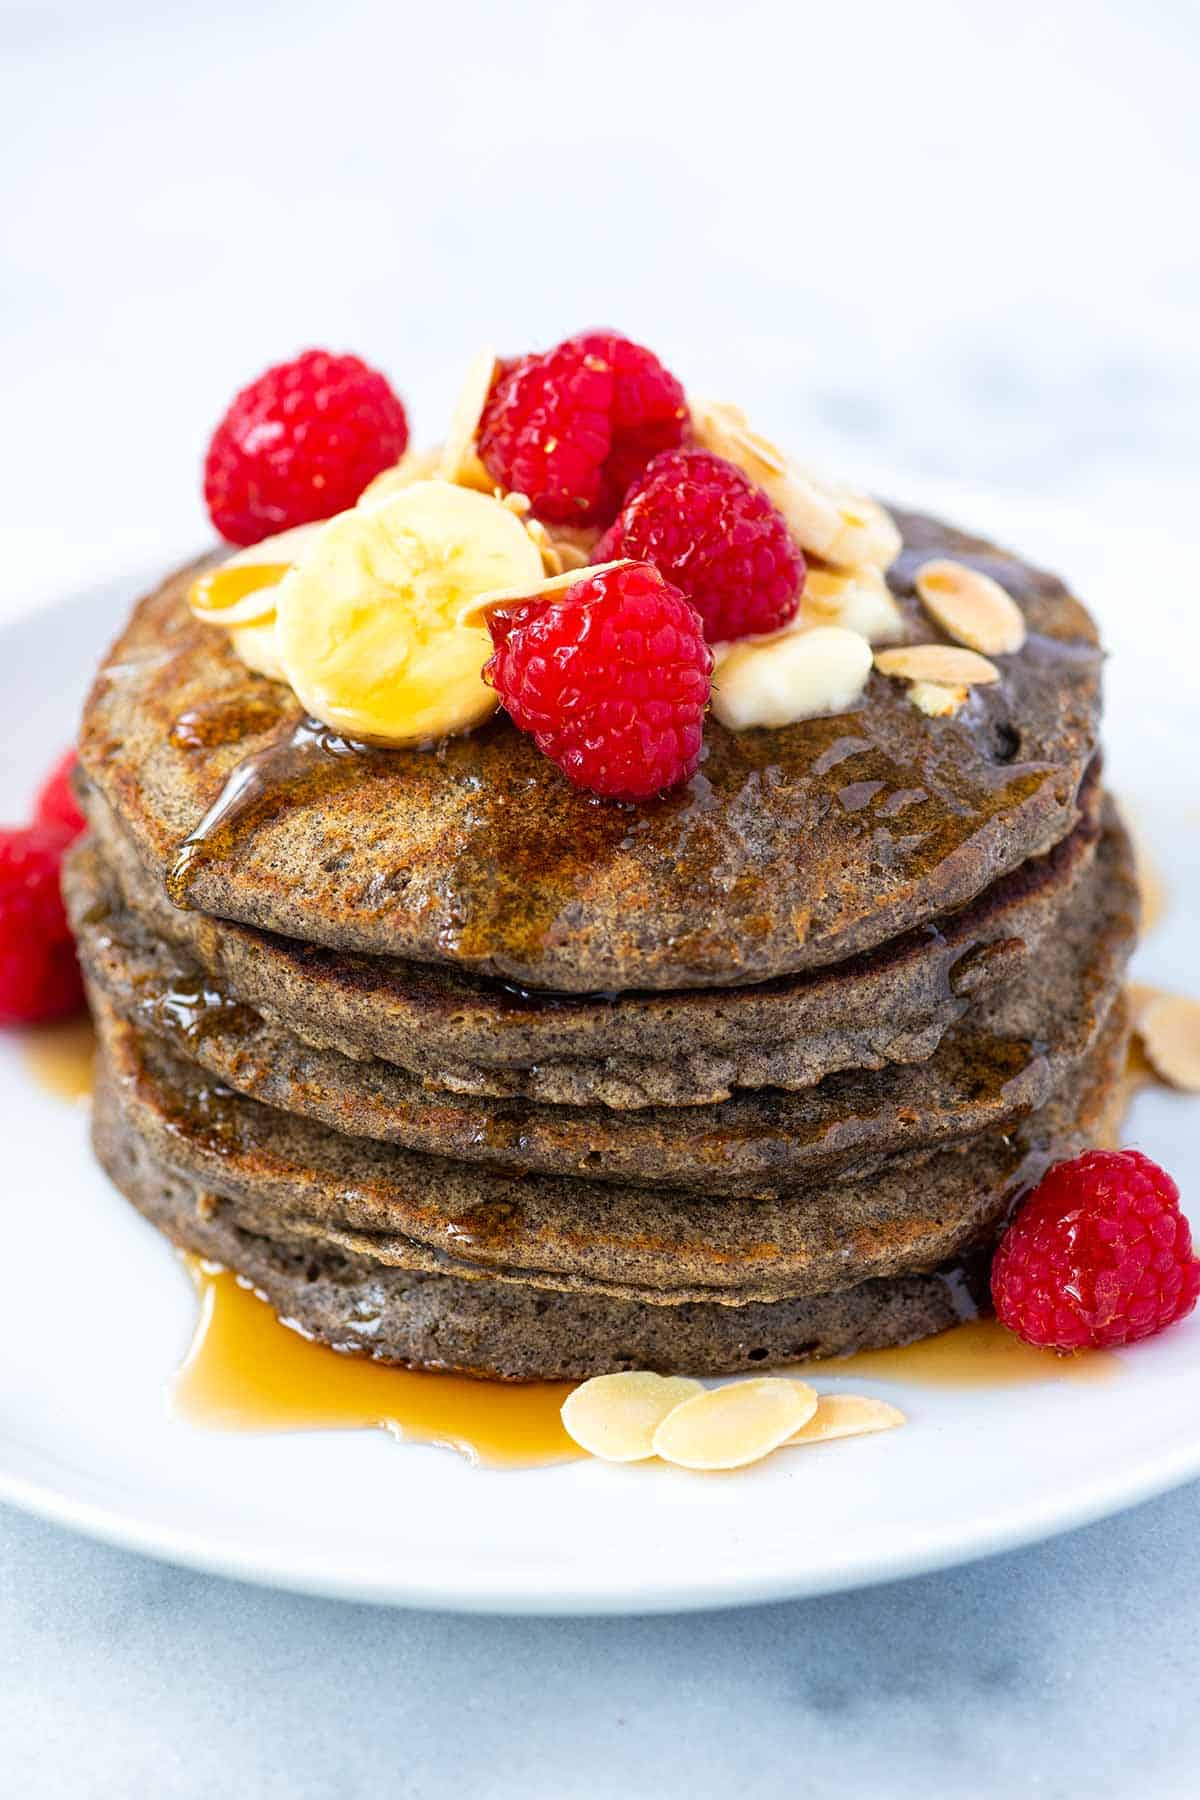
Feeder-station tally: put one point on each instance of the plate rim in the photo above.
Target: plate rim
(873, 1557)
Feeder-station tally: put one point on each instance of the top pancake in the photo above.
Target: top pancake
(790, 849)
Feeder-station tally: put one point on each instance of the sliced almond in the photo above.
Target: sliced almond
(414, 465)
(615, 1417)
(459, 462)
(936, 699)
(1169, 1027)
(943, 663)
(825, 517)
(971, 607)
(570, 555)
(552, 562)
(727, 1427)
(477, 609)
(794, 675)
(847, 1415)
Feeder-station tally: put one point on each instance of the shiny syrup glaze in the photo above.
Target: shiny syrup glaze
(245, 1371)
(515, 860)
(708, 833)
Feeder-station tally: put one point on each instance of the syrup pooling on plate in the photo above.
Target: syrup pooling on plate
(979, 1353)
(60, 1057)
(247, 1372)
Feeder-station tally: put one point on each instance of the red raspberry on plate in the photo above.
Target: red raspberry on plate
(1098, 1255)
(571, 427)
(718, 537)
(301, 443)
(56, 803)
(39, 975)
(611, 680)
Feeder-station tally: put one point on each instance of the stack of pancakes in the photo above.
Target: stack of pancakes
(463, 1068)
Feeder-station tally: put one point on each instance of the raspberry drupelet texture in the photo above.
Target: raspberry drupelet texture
(717, 537)
(572, 426)
(39, 974)
(611, 680)
(301, 443)
(56, 803)
(1099, 1255)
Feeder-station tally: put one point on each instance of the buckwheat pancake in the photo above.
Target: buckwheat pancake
(463, 1034)
(1001, 1061)
(289, 1177)
(495, 1329)
(789, 850)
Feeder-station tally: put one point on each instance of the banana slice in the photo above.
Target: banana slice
(240, 594)
(826, 517)
(239, 590)
(258, 647)
(794, 675)
(859, 599)
(369, 629)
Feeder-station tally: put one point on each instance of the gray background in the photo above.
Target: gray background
(958, 239)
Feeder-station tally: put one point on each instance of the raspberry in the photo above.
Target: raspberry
(1098, 1255)
(56, 803)
(301, 443)
(649, 409)
(39, 976)
(717, 537)
(573, 426)
(611, 680)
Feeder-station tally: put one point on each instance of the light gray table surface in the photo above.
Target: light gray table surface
(956, 238)
(1065, 1671)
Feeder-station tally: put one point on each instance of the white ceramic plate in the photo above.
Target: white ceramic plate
(95, 1310)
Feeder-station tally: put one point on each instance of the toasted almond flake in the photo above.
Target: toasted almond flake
(570, 555)
(794, 675)
(477, 609)
(936, 699)
(944, 663)
(971, 607)
(727, 1427)
(615, 1417)
(552, 562)
(847, 1415)
(826, 517)
(414, 465)
(459, 462)
(1169, 1027)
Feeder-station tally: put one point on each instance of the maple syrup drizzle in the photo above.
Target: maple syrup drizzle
(978, 1353)
(308, 762)
(245, 1371)
(60, 1057)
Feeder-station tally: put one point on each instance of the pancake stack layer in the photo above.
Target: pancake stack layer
(462, 1068)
